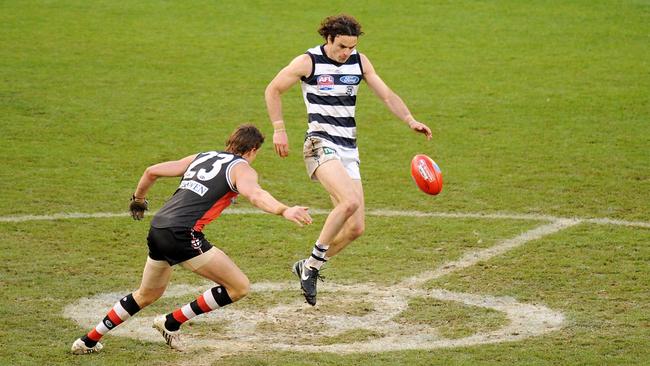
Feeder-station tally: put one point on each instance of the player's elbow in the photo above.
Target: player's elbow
(271, 92)
(150, 173)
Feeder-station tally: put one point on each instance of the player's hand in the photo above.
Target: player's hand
(421, 128)
(281, 143)
(298, 214)
(137, 207)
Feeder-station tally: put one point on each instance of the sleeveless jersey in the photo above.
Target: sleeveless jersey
(330, 94)
(204, 192)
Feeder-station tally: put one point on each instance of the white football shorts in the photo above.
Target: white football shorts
(317, 151)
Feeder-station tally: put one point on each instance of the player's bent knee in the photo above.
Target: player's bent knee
(350, 206)
(356, 231)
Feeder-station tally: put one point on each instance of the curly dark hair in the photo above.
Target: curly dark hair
(245, 138)
(339, 25)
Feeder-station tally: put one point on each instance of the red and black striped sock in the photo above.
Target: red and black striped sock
(120, 312)
(211, 299)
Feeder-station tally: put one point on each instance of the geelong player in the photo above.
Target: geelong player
(330, 75)
(211, 180)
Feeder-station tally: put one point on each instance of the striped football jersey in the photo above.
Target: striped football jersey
(330, 95)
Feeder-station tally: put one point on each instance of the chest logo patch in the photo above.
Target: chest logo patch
(325, 82)
(350, 79)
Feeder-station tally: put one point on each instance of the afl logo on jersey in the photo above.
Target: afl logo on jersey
(350, 79)
(325, 82)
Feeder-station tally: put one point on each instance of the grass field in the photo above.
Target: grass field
(541, 119)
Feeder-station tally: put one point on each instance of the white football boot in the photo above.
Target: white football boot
(80, 348)
(173, 339)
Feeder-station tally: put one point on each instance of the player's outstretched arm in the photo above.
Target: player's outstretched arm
(394, 103)
(283, 81)
(175, 168)
(245, 179)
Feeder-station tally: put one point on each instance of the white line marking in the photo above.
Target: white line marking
(375, 212)
(61, 216)
(279, 327)
(606, 221)
(471, 258)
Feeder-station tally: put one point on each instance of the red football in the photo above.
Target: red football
(426, 174)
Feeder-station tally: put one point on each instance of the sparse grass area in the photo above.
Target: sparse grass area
(451, 319)
(264, 300)
(351, 336)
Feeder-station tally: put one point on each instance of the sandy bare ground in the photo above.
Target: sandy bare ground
(289, 325)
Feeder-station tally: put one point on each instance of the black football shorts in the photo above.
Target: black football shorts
(176, 244)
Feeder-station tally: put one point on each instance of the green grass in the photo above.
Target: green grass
(537, 107)
(450, 319)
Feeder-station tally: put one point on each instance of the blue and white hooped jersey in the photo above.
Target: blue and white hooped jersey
(330, 94)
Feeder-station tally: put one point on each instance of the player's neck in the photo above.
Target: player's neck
(326, 49)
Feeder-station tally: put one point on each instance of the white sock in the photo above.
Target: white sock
(317, 257)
